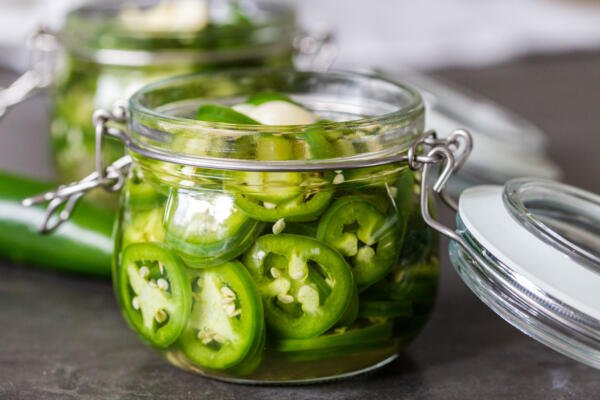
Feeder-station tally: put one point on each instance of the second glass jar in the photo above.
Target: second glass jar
(110, 53)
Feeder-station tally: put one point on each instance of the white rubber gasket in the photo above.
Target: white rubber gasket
(549, 269)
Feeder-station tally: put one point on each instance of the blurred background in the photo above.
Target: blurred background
(426, 34)
(537, 58)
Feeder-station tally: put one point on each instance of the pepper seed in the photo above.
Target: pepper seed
(269, 206)
(135, 302)
(162, 284)
(285, 298)
(144, 271)
(279, 226)
(339, 178)
(226, 292)
(161, 316)
(275, 273)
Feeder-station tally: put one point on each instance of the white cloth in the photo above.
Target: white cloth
(439, 33)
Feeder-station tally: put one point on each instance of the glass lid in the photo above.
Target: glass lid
(531, 251)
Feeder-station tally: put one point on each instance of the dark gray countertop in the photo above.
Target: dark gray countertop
(62, 336)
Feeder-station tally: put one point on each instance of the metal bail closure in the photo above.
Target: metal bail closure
(317, 48)
(43, 46)
(63, 200)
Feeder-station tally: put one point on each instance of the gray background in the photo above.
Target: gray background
(62, 337)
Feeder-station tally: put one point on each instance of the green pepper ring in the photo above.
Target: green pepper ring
(178, 293)
(357, 209)
(295, 210)
(353, 337)
(338, 279)
(201, 251)
(248, 325)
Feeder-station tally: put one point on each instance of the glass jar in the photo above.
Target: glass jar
(271, 253)
(259, 275)
(109, 54)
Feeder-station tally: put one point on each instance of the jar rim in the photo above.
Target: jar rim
(85, 34)
(549, 209)
(405, 122)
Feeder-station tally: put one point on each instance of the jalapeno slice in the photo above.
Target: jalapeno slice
(342, 342)
(360, 232)
(226, 323)
(270, 187)
(306, 207)
(306, 286)
(154, 292)
(205, 228)
(317, 141)
(415, 283)
(140, 194)
(144, 226)
(355, 337)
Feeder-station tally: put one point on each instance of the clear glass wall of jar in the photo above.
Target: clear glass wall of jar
(107, 58)
(249, 274)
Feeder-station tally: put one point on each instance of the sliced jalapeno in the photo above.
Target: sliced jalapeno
(155, 292)
(226, 323)
(327, 143)
(205, 228)
(302, 208)
(360, 232)
(355, 337)
(140, 194)
(415, 283)
(306, 286)
(144, 226)
(342, 342)
(317, 141)
(270, 187)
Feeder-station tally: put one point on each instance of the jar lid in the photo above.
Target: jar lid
(531, 251)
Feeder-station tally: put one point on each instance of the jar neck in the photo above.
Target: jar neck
(364, 119)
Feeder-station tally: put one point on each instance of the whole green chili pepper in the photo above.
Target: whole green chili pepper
(83, 244)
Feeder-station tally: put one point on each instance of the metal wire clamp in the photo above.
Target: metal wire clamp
(43, 46)
(317, 48)
(63, 200)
